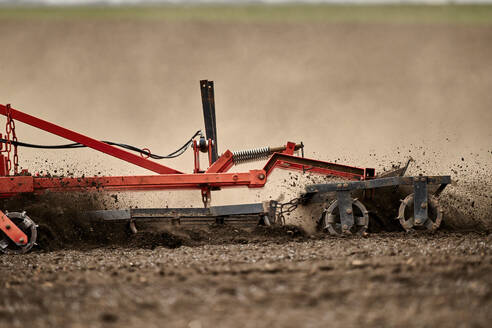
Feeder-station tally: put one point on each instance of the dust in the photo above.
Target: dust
(65, 224)
(61, 217)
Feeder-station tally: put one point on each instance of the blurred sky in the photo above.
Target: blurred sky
(133, 2)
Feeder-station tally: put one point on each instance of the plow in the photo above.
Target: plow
(340, 213)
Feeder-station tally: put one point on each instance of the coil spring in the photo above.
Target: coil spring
(248, 155)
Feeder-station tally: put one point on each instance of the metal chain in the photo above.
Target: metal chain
(8, 144)
(286, 208)
(10, 138)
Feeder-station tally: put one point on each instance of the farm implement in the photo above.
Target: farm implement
(340, 214)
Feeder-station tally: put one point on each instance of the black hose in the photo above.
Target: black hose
(174, 154)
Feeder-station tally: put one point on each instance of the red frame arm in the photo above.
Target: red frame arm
(11, 230)
(215, 177)
(89, 142)
(10, 186)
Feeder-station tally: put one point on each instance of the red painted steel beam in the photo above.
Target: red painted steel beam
(27, 184)
(317, 170)
(290, 162)
(223, 164)
(252, 179)
(89, 142)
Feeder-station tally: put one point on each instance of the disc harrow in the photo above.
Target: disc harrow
(414, 210)
(343, 214)
(337, 223)
(26, 242)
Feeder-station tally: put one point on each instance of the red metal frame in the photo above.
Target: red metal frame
(215, 177)
(87, 141)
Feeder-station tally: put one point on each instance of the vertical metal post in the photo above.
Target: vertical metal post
(420, 208)
(346, 212)
(208, 103)
(196, 157)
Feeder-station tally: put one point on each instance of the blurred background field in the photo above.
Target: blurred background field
(254, 13)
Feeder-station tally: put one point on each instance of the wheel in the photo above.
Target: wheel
(24, 223)
(330, 219)
(406, 214)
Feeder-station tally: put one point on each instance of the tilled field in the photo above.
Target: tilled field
(365, 94)
(286, 280)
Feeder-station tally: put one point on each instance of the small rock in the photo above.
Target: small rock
(109, 317)
(325, 267)
(358, 264)
(47, 284)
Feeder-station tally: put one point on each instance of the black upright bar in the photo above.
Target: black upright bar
(208, 103)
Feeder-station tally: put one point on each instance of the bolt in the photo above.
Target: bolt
(424, 205)
(349, 211)
(345, 227)
(234, 177)
(417, 221)
(7, 227)
(339, 185)
(261, 176)
(21, 239)
(345, 185)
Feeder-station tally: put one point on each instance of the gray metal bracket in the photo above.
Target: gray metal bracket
(346, 211)
(176, 216)
(420, 204)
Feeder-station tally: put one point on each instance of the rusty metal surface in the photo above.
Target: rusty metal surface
(226, 214)
(375, 183)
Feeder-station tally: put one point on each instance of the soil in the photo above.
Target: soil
(286, 280)
(93, 274)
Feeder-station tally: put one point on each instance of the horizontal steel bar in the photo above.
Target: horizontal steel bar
(163, 181)
(257, 208)
(110, 215)
(375, 183)
(239, 212)
(12, 185)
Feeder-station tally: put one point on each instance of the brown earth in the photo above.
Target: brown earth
(416, 280)
(363, 94)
